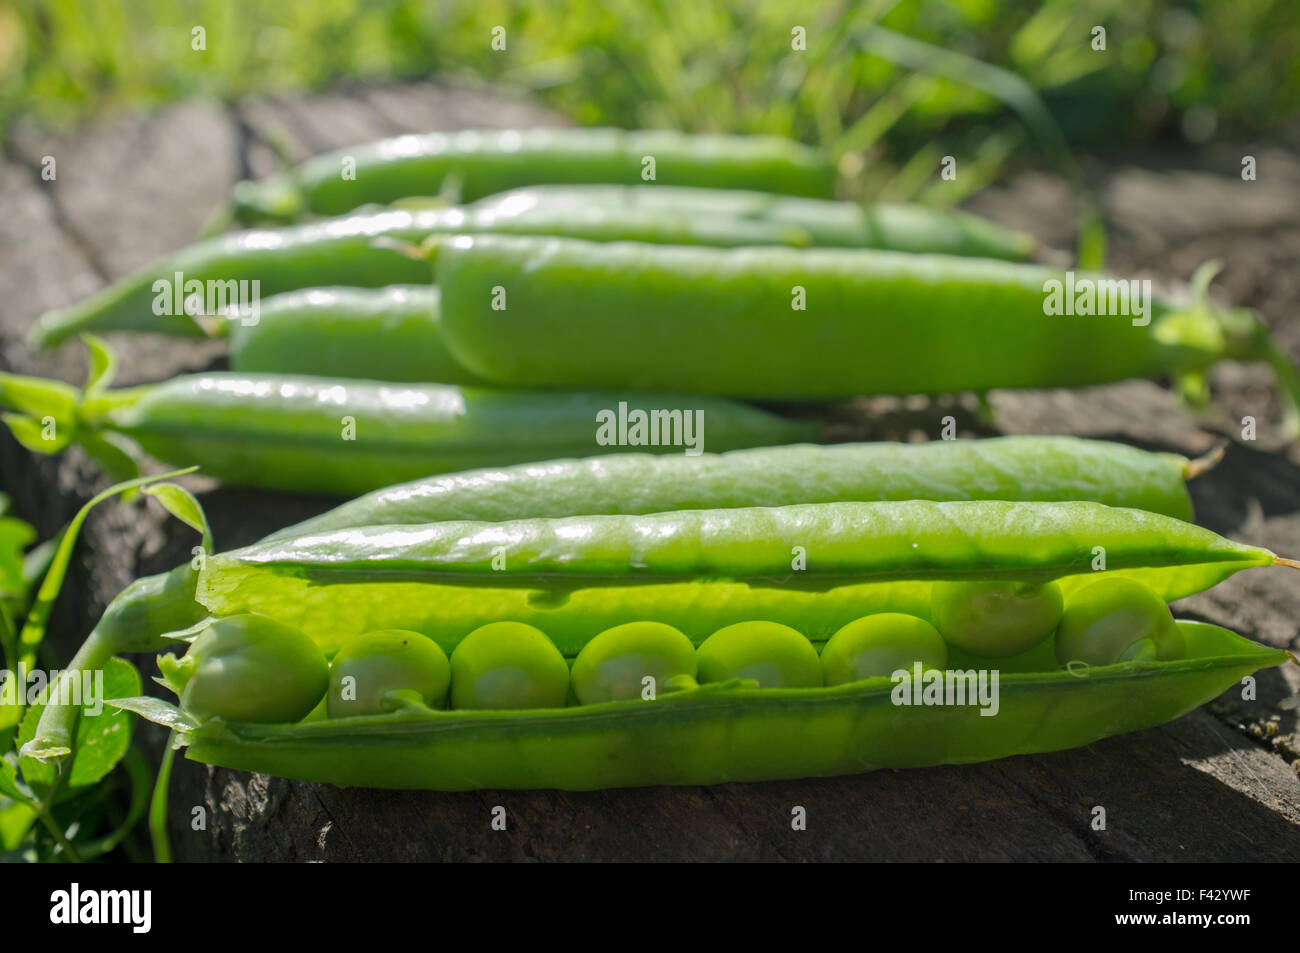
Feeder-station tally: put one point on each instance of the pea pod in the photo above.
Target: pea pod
(697, 570)
(358, 249)
(730, 732)
(363, 250)
(905, 228)
(813, 324)
(388, 334)
(998, 468)
(476, 163)
(344, 437)
(812, 567)
(1030, 468)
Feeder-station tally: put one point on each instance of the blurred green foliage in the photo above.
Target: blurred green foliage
(1194, 69)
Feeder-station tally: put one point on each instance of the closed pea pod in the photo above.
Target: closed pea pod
(998, 468)
(393, 333)
(388, 334)
(908, 228)
(814, 324)
(344, 437)
(371, 250)
(481, 162)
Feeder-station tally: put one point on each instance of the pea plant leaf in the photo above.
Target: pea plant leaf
(157, 710)
(182, 504)
(103, 365)
(37, 397)
(33, 434)
(102, 738)
(15, 536)
(9, 784)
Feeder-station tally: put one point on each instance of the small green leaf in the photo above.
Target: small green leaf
(37, 397)
(103, 365)
(156, 710)
(9, 786)
(102, 739)
(1201, 280)
(183, 505)
(32, 434)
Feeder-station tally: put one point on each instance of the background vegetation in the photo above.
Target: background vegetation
(1191, 70)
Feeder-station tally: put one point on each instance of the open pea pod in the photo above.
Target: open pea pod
(814, 567)
(729, 731)
(1007, 468)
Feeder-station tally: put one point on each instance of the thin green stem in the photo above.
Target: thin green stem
(162, 848)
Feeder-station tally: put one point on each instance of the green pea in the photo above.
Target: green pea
(879, 645)
(508, 665)
(774, 655)
(383, 661)
(995, 619)
(613, 665)
(1117, 620)
(249, 668)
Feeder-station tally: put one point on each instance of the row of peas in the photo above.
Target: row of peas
(252, 668)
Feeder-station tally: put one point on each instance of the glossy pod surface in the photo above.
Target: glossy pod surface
(999, 468)
(701, 570)
(337, 436)
(723, 579)
(355, 250)
(488, 161)
(1029, 468)
(730, 732)
(386, 334)
(906, 228)
(722, 322)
